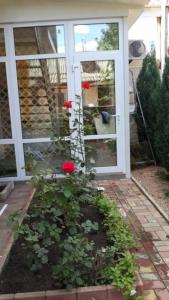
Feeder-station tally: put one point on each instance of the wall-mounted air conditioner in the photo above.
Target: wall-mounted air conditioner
(137, 49)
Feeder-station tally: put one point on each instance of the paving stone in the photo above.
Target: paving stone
(162, 235)
(166, 260)
(166, 229)
(166, 282)
(149, 247)
(163, 248)
(156, 258)
(164, 254)
(163, 271)
(146, 266)
(150, 224)
(162, 294)
(150, 276)
(149, 295)
(161, 243)
(153, 284)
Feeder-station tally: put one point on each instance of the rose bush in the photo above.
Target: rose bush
(68, 104)
(68, 167)
(86, 85)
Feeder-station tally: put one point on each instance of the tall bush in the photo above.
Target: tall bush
(162, 132)
(148, 86)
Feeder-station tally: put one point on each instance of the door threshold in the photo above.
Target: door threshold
(110, 176)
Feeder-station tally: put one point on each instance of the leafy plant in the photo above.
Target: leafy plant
(75, 262)
(117, 231)
(122, 275)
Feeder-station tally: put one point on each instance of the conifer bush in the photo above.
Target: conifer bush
(148, 86)
(162, 131)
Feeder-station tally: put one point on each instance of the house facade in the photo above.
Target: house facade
(48, 50)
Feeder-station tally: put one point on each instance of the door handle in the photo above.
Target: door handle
(74, 66)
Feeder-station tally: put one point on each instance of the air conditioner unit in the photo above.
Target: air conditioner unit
(137, 49)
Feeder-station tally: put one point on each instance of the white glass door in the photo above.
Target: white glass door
(98, 81)
(98, 68)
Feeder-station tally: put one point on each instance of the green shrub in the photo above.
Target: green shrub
(162, 132)
(148, 86)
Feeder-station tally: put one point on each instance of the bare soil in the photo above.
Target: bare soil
(17, 276)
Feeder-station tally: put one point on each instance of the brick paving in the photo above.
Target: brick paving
(149, 227)
(150, 230)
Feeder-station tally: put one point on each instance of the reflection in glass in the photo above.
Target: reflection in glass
(94, 37)
(5, 123)
(45, 156)
(42, 92)
(99, 107)
(2, 42)
(101, 153)
(7, 161)
(39, 40)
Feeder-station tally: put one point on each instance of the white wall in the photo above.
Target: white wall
(25, 11)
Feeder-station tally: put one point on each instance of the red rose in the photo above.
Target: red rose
(68, 104)
(86, 85)
(68, 167)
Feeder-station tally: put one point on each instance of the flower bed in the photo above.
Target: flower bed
(72, 236)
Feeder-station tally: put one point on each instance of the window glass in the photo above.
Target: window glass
(94, 37)
(39, 40)
(5, 122)
(102, 153)
(42, 91)
(45, 156)
(7, 161)
(98, 101)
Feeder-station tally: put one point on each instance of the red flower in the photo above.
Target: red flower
(68, 167)
(68, 104)
(86, 85)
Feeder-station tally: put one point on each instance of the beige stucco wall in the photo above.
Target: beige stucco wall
(32, 10)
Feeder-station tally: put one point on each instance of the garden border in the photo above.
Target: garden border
(102, 292)
(8, 246)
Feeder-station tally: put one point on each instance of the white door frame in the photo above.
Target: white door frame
(118, 100)
(72, 58)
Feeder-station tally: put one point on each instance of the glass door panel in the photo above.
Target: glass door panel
(99, 84)
(98, 101)
(7, 147)
(102, 153)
